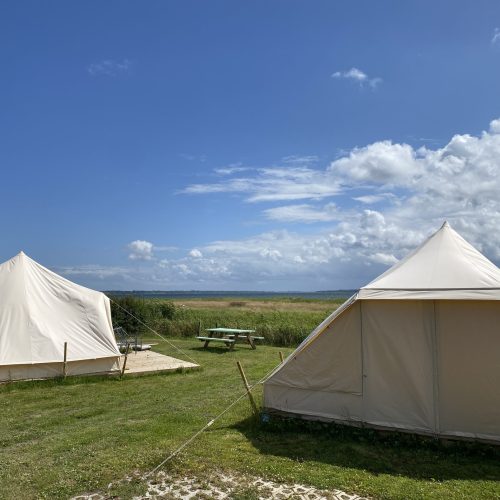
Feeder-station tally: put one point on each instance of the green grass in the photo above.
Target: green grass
(64, 437)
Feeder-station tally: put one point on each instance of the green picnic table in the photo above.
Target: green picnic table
(229, 336)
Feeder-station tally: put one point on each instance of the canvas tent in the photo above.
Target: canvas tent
(39, 312)
(417, 349)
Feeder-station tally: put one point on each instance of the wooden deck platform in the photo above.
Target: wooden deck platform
(142, 362)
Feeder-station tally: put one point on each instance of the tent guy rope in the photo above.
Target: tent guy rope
(208, 424)
(211, 422)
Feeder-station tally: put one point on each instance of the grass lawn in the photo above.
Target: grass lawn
(60, 438)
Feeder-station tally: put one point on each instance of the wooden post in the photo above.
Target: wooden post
(65, 364)
(281, 357)
(247, 387)
(124, 361)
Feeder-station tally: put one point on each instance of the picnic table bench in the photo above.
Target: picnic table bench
(229, 336)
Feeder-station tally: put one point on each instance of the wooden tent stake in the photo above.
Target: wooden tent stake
(65, 363)
(247, 387)
(125, 360)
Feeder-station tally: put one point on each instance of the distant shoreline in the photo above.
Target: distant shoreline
(197, 294)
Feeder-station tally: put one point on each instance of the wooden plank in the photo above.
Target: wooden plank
(217, 339)
(229, 330)
(125, 360)
(65, 362)
(251, 342)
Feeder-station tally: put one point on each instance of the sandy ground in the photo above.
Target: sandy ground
(223, 486)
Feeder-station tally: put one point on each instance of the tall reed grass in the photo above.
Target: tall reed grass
(279, 328)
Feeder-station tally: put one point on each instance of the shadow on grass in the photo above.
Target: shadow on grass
(215, 349)
(393, 453)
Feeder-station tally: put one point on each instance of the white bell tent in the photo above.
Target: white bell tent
(417, 349)
(39, 312)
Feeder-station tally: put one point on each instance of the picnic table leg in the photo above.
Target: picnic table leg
(205, 345)
(251, 342)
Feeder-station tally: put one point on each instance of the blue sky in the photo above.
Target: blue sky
(266, 145)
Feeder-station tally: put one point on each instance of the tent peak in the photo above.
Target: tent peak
(445, 224)
(444, 261)
(22, 256)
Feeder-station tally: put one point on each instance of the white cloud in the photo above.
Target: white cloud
(145, 250)
(272, 254)
(231, 169)
(140, 250)
(380, 163)
(195, 253)
(93, 270)
(384, 258)
(416, 190)
(459, 180)
(362, 245)
(358, 76)
(495, 126)
(496, 36)
(109, 67)
(371, 199)
(303, 213)
(275, 184)
(300, 159)
(277, 260)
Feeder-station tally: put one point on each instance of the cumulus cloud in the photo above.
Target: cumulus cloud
(109, 67)
(277, 260)
(381, 163)
(140, 250)
(195, 253)
(145, 250)
(453, 180)
(495, 126)
(358, 76)
(355, 250)
(414, 189)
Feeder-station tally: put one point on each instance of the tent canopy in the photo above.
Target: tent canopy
(40, 311)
